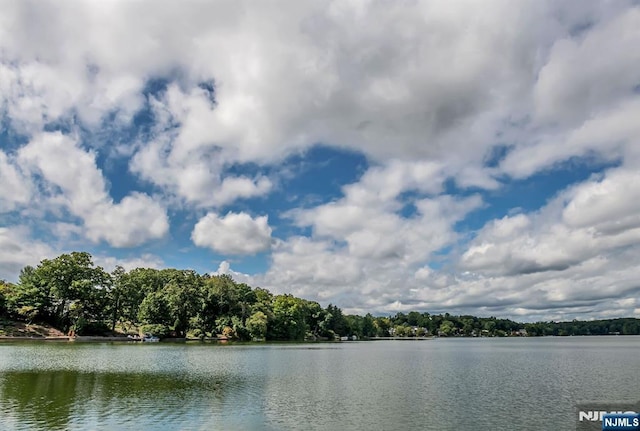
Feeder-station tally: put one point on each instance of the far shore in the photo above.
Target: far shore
(124, 338)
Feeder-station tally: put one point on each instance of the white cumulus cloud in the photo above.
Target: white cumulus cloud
(74, 182)
(235, 233)
(18, 249)
(15, 188)
(204, 111)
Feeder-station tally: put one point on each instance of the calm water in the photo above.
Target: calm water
(445, 384)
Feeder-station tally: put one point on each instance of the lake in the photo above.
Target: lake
(443, 384)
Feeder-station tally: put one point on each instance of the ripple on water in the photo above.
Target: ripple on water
(379, 385)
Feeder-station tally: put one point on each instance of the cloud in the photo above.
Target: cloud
(585, 75)
(18, 249)
(363, 252)
(610, 205)
(204, 112)
(585, 100)
(590, 219)
(225, 269)
(563, 261)
(611, 136)
(410, 81)
(185, 161)
(368, 218)
(36, 91)
(574, 256)
(433, 84)
(72, 180)
(15, 189)
(235, 233)
(136, 219)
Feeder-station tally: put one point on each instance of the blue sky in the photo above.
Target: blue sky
(463, 158)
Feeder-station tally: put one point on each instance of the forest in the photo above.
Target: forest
(74, 295)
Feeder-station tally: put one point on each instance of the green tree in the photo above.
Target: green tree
(631, 327)
(182, 293)
(264, 301)
(132, 287)
(154, 310)
(490, 326)
(223, 298)
(29, 299)
(414, 318)
(288, 319)
(334, 321)
(117, 295)
(354, 325)
(467, 325)
(4, 289)
(400, 331)
(57, 284)
(446, 328)
(257, 325)
(382, 325)
(368, 326)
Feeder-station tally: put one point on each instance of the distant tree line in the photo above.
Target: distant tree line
(72, 294)
(448, 325)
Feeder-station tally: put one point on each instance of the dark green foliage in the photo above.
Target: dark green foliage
(334, 322)
(154, 310)
(448, 325)
(71, 293)
(257, 325)
(288, 322)
(62, 290)
(84, 327)
(4, 289)
(221, 300)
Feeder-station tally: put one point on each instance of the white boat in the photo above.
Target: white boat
(150, 338)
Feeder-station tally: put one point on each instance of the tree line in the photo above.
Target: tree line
(71, 293)
(469, 326)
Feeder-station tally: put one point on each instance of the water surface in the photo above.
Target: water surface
(443, 384)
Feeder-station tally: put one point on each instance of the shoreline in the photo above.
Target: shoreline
(109, 339)
(103, 339)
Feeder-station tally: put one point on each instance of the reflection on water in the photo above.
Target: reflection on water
(61, 399)
(497, 384)
(110, 386)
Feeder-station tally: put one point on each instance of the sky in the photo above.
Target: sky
(464, 157)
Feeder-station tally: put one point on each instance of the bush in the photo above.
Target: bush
(85, 327)
(197, 333)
